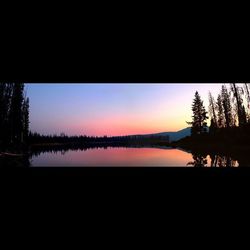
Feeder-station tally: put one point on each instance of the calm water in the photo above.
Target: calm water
(127, 157)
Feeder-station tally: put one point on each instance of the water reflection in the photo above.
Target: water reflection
(223, 161)
(212, 160)
(198, 161)
(132, 156)
(112, 156)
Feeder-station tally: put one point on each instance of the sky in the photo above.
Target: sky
(112, 109)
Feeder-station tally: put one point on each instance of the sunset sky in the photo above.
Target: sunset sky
(113, 109)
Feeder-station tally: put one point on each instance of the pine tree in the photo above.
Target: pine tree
(227, 107)
(237, 93)
(212, 109)
(247, 90)
(244, 115)
(2, 111)
(26, 120)
(16, 117)
(212, 127)
(198, 123)
(6, 91)
(220, 113)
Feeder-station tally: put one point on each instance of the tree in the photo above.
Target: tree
(26, 120)
(16, 114)
(199, 117)
(2, 110)
(212, 127)
(227, 107)
(247, 91)
(220, 113)
(247, 87)
(6, 90)
(212, 109)
(237, 93)
(244, 115)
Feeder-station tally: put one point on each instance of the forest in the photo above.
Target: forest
(229, 116)
(37, 140)
(14, 117)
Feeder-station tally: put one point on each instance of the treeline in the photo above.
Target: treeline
(14, 116)
(36, 138)
(229, 109)
(228, 114)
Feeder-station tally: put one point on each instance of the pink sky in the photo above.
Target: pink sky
(113, 109)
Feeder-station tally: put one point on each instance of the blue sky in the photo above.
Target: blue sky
(112, 109)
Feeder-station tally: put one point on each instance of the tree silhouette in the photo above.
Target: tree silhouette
(247, 90)
(227, 107)
(220, 113)
(199, 117)
(200, 160)
(16, 117)
(237, 93)
(212, 109)
(243, 115)
(6, 91)
(26, 120)
(214, 159)
(212, 128)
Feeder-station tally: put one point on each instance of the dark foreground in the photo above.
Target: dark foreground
(204, 145)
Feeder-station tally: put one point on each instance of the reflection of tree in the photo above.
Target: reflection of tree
(63, 149)
(199, 161)
(63, 152)
(214, 160)
(222, 161)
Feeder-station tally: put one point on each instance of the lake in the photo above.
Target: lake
(133, 157)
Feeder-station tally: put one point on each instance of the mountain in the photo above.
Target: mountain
(173, 136)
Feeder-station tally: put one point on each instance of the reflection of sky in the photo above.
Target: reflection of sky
(113, 109)
(115, 157)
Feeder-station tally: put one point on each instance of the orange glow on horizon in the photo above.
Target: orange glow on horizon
(125, 126)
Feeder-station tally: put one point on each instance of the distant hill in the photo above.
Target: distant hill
(173, 136)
